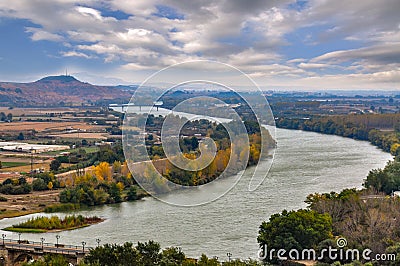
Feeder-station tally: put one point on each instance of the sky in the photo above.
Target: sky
(281, 44)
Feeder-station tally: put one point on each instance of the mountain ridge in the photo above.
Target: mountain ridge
(58, 91)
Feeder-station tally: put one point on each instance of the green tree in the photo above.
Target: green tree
(55, 165)
(50, 260)
(385, 180)
(172, 256)
(39, 184)
(21, 136)
(298, 230)
(132, 194)
(9, 117)
(115, 193)
(149, 253)
(205, 261)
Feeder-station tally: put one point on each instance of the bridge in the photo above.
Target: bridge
(15, 252)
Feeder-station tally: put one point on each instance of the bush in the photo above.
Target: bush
(10, 189)
(62, 207)
(39, 185)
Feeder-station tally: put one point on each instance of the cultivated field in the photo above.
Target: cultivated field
(82, 135)
(38, 111)
(18, 205)
(44, 126)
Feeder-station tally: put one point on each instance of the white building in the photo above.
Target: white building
(27, 147)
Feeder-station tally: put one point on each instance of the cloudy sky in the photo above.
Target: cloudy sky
(316, 44)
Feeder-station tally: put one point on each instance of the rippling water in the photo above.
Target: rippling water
(304, 163)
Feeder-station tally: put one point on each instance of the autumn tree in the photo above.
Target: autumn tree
(103, 171)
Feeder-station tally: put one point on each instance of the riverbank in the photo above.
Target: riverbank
(304, 163)
(34, 202)
(359, 127)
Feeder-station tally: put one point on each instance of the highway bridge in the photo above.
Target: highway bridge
(15, 252)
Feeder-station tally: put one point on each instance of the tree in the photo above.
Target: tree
(50, 260)
(298, 230)
(395, 149)
(103, 171)
(172, 256)
(38, 184)
(115, 193)
(21, 136)
(117, 167)
(132, 194)
(205, 261)
(385, 180)
(9, 117)
(50, 185)
(149, 253)
(55, 165)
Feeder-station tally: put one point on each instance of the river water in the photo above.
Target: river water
(304, 163)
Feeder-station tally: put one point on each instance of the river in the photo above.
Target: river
(304, 163)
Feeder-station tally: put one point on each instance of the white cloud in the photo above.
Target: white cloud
(42, 35)
(90, 12)
(314, 65)
(383, 53)
(247, 34)
(76, 54)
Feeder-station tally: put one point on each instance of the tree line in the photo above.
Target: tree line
(143, 254)
(382, 130)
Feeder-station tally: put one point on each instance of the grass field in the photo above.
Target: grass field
(13, 164)
(27, 167)
(91, 149)
(24, 230)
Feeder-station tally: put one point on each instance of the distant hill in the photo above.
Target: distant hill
(62, 78)
(58, 91)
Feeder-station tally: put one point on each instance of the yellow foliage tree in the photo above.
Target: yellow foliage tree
(120, 186)
(395, 149)
(50, 185)
(103, 171)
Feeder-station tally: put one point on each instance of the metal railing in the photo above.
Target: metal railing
(44, 247)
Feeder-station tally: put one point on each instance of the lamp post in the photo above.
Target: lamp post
(3, 236)
(57, 237)
(19, 238)
(229, 256)
(83, 246)
(98, 241)
(42, 239)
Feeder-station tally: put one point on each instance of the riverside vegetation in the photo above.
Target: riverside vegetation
(101, 176)
(143, 254)
(44, 224)
(368, 218)
(113, 183)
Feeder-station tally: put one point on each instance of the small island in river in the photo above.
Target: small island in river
(43, 224)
